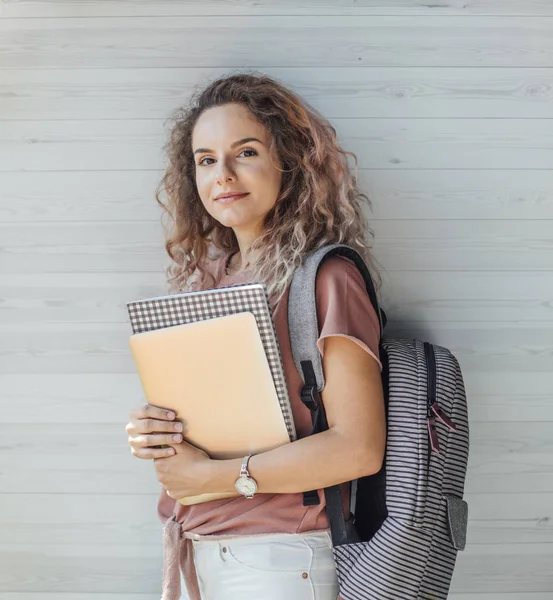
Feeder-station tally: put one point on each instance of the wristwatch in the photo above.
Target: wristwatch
(246, 485)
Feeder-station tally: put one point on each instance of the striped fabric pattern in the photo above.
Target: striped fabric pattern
(412, 554)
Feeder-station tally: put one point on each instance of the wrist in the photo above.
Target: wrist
(222, 474)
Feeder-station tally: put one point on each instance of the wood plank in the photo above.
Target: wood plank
(84, 196)
(119, 569)
(349, 92)
(378, 143)
(100, 196)
(523, 568)
(431, 245)
(75, 8)
(103, 348)
(96, 459)
(105, 568)
(119, 42)
(69, 519)
(122, 519)
(501, 596)
(427, 297)
(99, 596)
(424, 297)
(108, 398)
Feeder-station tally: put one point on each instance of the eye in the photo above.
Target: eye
(202, 164)
(249, 150)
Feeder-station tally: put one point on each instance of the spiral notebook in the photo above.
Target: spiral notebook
(226, 338)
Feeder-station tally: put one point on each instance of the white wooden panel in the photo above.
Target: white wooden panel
(137, 596)
(121, 8)
(77, 398)
(379, 143)
(78, 458)
(483, 194)
(110, 596)
(116, 596)
(419, 296)
(107, 568)
(374, 92)
(103, 568)
(103, 348)
(399, 245)
(502, 596)
(522, 568)
(348, 40)
(108, 398)
(71, 519)
(84, 196)
(493, 519)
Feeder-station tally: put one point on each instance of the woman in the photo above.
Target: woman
(256, 180)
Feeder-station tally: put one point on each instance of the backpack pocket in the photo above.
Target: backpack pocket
(407, 448)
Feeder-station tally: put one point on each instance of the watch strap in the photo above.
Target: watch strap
(244, 469)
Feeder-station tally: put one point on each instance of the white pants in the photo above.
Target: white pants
(269, 566)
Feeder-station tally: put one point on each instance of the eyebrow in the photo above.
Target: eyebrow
(238, 143)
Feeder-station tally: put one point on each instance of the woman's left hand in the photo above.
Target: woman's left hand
(186, 473)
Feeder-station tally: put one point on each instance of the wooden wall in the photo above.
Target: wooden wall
(449, 107)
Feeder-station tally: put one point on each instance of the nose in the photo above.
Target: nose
(224, 173)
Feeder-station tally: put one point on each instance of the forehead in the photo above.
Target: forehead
(222, 125)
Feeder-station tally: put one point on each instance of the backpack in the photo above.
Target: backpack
(410, 518)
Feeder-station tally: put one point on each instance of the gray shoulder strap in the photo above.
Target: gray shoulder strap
(302, 312)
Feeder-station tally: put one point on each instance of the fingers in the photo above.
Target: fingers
(153, 426)
(149, 418)
(149, 453)
(156, 439)
(149, 411)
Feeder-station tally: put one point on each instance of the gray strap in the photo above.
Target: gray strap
(302, 309)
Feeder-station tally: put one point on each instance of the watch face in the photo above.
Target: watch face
(246, 486)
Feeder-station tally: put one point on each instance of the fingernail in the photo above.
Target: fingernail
(176, 438)
(178, 427)
(171, 415)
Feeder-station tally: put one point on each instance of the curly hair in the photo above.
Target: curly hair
(318, 203)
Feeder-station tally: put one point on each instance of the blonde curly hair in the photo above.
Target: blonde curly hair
(318, 204)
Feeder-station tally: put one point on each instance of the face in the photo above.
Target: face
(225, 162)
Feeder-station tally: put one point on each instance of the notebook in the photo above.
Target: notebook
(213, 357)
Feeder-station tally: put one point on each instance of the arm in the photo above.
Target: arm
(352, 447)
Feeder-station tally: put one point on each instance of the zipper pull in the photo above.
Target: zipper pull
(433, 434)
(439, 412)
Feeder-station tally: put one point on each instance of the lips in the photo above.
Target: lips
(229, 199)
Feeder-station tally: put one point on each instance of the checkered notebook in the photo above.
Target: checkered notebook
(189, 307)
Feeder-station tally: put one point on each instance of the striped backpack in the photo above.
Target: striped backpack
(410, 518)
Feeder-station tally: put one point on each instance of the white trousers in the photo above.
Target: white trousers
(269, 566)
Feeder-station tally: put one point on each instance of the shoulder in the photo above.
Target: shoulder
(341, 292)
(339, 270)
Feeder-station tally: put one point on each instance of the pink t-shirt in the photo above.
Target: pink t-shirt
(343, 308)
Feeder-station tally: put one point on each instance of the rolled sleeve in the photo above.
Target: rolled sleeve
(344, 307)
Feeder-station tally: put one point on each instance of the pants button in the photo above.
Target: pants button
(224, 548)
(305, 575)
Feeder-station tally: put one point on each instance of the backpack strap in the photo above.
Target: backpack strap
(304, 332)
(302, 309)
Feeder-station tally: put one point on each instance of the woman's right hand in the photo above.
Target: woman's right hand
(151, 426)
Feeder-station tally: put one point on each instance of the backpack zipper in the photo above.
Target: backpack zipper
(433, 409)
